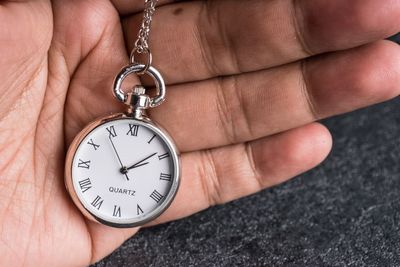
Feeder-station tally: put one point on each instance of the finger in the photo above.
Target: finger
(84, 28)
(245, 107)
(202, 39)
(220, 175)
(88, 44)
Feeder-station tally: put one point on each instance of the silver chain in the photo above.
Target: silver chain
(137, 99)
(141, 44)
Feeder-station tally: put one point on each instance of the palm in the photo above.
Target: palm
(56, 80)
(38, 214)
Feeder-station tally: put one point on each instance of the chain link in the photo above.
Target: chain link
(141, 47)
(141, 44)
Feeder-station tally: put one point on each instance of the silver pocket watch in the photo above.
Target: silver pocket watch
(123, 170)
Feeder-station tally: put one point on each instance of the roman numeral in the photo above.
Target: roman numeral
(163, 156)
(133, 130)
(97, 202)
(165, 177)
(95, 146)
(139, 210)
(151, 139)
(111, 131)
(84, 164)
(85, 185)
(117, 211)
(156, 196)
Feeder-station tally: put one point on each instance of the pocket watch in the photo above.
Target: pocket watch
(123, 170)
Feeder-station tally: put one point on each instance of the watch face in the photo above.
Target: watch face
(124, 172)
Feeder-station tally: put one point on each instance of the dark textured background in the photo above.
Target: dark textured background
(346, 212)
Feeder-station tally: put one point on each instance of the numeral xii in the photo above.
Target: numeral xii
(133, 130)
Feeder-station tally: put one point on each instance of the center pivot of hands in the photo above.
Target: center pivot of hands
(124, 170)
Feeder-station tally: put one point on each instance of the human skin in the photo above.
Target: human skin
(246, 82)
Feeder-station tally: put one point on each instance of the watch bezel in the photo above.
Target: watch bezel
(69, 183)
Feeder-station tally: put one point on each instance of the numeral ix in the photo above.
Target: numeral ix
(84, 164)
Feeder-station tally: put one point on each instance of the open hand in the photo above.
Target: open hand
(246, 80)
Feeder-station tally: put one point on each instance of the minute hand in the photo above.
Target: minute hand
(138, 164)
(119, 159)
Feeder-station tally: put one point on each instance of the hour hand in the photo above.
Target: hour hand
(138, 165)
(141, 162)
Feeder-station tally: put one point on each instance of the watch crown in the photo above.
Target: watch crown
(137, 100)
(139, 90)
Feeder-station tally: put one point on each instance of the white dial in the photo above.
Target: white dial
(125, 172)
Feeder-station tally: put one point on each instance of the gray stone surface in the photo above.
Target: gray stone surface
(345, 212)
